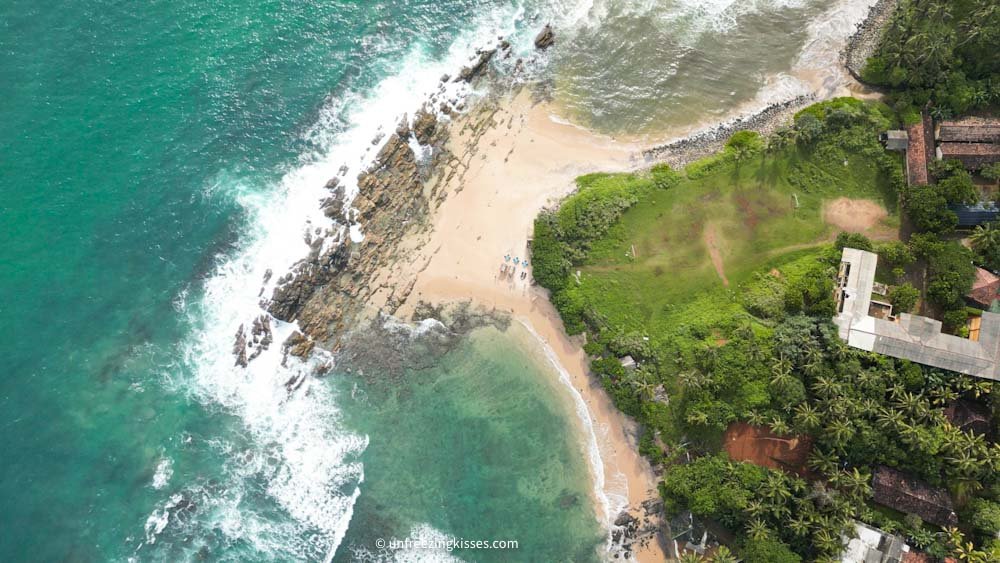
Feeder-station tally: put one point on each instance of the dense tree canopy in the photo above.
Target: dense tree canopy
(940, 51)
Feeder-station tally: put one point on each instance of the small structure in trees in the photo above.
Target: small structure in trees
(896, 140)
(919, 151)
(969, 416)
(970, 216)
(985, 290)
(973, 141)
(973, 156)
(910, 495)
(871, 545)
(969, 130)
(628, 362)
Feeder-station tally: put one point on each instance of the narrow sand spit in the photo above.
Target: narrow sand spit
(854, 215)
(522, 163)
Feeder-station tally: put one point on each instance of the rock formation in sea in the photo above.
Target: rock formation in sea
(545, 38)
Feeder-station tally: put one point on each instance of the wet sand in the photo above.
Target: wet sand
(522, 163)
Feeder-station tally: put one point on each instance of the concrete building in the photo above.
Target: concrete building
(871, 545)
(871, 325)
(896, 140)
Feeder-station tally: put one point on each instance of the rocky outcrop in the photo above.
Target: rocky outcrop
(298, 345)
(470, 72)
(240, 347)
(328, 289)
(260, 337)
(545, 38)
(864, 42)
(246, 347)
(424, 126)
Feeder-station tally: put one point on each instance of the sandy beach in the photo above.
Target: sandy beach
(514, 158)
(522, 163)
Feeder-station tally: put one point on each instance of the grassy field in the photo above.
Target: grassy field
(681, 254)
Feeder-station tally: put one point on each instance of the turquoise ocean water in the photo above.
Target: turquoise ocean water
(156, 158)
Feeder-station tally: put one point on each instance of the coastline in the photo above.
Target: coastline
(518, 160)
(438, 220)
(512, 156)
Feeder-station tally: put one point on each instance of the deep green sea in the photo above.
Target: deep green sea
(158, 158)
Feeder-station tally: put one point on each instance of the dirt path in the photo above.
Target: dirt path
(712, 244)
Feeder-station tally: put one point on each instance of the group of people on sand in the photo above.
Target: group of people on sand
(508, 269)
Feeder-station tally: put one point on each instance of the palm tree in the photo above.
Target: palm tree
(890, 419)
(782, 377)
(693, 379)
(985, 236)
(941, 396)
(799, 526)
(697, 418)
(963, 550)
(826, 541)
(758, 530)
(780, 427)
(643, 389)
(724, 555)
(913, 404)
(825, 387)
(691, 557)
(781, 364)
(807, 417)
(775, 488)
(868, 406)
(841, 431)
(755, 508)
(756, 418)
(823, 462)
(856, 484)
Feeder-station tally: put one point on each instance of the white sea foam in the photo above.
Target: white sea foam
(309, 465)
(164, 471)
(816, 70)
(611, 491)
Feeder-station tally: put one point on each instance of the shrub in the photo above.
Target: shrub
(985, 517)
(928, 209)
(768, 550)
(744, 144)
(896, 253)
(664, 177)
(854, 240)
(548, 255)
(904, 298)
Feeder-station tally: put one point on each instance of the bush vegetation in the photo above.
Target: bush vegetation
(748, 337)
(942, 53)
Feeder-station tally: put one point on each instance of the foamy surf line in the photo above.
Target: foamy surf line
(310, 466)
(610, 502)
(815, 75)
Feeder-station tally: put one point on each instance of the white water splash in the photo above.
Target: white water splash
(164, 471)
(308, 464)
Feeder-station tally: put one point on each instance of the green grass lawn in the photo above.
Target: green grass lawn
(757, 216)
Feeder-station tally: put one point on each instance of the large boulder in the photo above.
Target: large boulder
(424, 126)
(477, 68)
(546, 38)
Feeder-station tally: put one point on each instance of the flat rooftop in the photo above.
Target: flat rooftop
(906, 336)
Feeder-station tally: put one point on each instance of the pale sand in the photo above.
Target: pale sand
(854, 215)
(523, 163)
